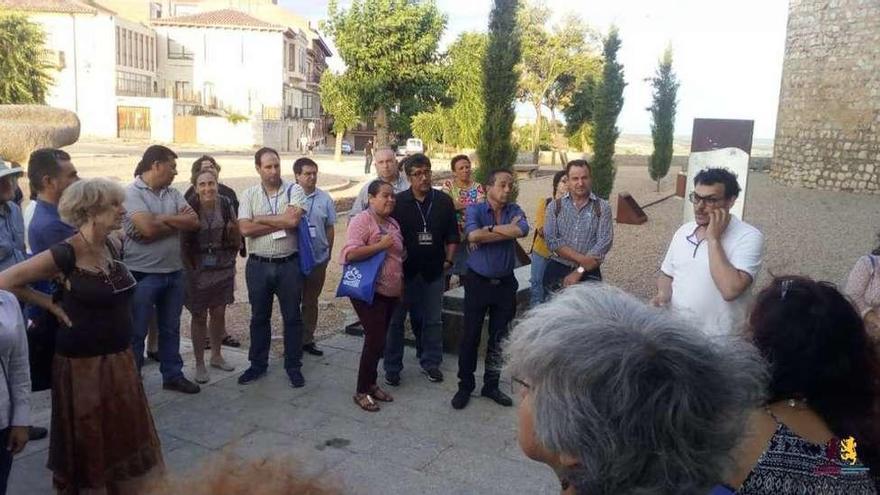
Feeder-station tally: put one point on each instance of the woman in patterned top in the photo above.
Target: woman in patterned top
(863, 287)
(464, 192)
(818, 432)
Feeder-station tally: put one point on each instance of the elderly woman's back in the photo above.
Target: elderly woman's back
(622, 398)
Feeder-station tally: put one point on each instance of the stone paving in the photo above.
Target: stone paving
(417, 444)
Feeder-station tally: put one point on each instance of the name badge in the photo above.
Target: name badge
(209, 260)
(279, 234)
(313, 231)
(426, 239)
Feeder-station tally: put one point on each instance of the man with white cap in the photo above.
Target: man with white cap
(11, 221)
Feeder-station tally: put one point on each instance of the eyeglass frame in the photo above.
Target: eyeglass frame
(695, 199)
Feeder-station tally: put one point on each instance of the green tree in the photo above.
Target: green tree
(390, 51)
(459, 124)
(552, 60)
(338, 100)
(24, 72)
(495, 149)
(665, 90)
(579, 113)
(606, 107)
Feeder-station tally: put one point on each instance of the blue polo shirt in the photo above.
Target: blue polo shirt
(493, 259)
(45, 230)
(321, 212)
(11, 235)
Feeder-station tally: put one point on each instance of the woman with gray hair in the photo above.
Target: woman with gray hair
(103, 437)
(618, 397)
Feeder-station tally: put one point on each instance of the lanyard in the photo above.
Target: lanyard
(426, 215)
(269, 201)
(311, 206)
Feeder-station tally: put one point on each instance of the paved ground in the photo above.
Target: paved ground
(417, 444)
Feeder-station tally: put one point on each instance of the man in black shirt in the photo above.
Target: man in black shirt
(430, 235)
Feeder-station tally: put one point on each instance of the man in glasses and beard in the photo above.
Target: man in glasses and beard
(712, 262)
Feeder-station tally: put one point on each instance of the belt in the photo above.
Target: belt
(491, 280)
(263, 259)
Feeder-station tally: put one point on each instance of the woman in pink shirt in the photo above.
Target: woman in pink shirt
(370, 232)
(863, 287)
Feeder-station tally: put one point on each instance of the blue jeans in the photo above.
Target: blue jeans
(265, 281)
(165, 292)
(536, 280)
(424, 301)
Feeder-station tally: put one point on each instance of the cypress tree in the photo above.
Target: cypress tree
(609, 102)
(665, 89)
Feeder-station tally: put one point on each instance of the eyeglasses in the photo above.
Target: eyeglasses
(420, 173)
(708, 200)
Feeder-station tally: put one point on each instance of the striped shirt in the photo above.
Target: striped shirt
(256, 202)
(579, 228)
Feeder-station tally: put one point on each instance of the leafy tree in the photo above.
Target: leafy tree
(552, 60)
(665, 89)
(337, 98)
(495, 149)
(390, 51)
(24, 72)
(607, 104)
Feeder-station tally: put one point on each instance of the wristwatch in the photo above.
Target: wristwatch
(491, 228)
(581, 269)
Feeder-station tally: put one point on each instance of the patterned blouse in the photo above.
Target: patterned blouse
(792, 465)
(863, 284)
(470, 196)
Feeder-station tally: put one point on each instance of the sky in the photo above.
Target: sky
(727, 54)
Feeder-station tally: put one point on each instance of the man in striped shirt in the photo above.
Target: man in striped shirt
(578, 229)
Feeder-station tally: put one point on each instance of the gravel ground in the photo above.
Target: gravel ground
(815, 233)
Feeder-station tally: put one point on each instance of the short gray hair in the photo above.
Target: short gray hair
(647, 403)
(88, 197)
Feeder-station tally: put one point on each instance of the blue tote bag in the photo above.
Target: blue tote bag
(359, 278)
(304, 244)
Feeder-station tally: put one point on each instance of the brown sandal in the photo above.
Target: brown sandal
(365, 402)
(381, 395)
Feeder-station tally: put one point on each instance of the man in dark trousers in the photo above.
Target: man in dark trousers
(430, 235)
(490, 286)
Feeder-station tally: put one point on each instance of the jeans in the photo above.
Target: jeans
(374, 318)
(536, 280)
(368, 160)
(165, 291)
(498, 298)
(424, 301)
(265, 281)
(5, 461)
(312, 287)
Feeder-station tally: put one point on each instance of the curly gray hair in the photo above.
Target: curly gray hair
(645, 402)
(88, 197)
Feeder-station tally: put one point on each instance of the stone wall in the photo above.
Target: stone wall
(828, 126)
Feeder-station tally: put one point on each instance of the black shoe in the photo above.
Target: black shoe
(296, 378)
(154, 355)
(434, 375)
(461, 399)
(392, 378)
(37, 433)
(230, 341)
(313, 349)
(182, 385)
(498, 396)
(251, 374)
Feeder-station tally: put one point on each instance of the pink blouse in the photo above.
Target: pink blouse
(364, 230)
(863, 284)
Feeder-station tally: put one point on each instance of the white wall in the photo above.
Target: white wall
(89, 75)
(221, 132)
(245, 67)
(161, 115)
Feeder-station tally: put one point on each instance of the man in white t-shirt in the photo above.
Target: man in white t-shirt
(712, 262)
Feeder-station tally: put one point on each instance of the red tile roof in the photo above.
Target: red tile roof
(54, 6)
(219, 18)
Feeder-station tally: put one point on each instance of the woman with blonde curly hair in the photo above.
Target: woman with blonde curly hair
(103, 437)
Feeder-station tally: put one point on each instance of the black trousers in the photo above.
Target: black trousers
(5, 461)
(498, 298)
(556, 271)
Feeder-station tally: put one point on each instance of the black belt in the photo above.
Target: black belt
(491, 280)
(285, 259)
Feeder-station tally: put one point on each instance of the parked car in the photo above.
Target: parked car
(411, 147)
(347, 148)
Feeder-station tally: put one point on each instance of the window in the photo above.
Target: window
(155, 10)
(291, 59)
(178, 51)
(118, 48)
(130, 84)
(182, 90)
(140, 51)
(302, 59)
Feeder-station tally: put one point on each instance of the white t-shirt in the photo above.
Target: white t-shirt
(694, 293)
(28, 214)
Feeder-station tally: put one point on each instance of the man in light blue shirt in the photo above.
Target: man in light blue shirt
(320, 210)
(12, 249)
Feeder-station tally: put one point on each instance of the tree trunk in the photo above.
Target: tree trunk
(554, 138)
(337, 155)
(658, 184)
(381, 123)
(536, 138)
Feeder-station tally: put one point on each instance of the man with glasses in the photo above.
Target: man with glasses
(430, 234)
(388, 170)
(711, 262)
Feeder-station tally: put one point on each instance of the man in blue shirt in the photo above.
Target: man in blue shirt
(11, 220)
(321, 214)
(489, 285)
